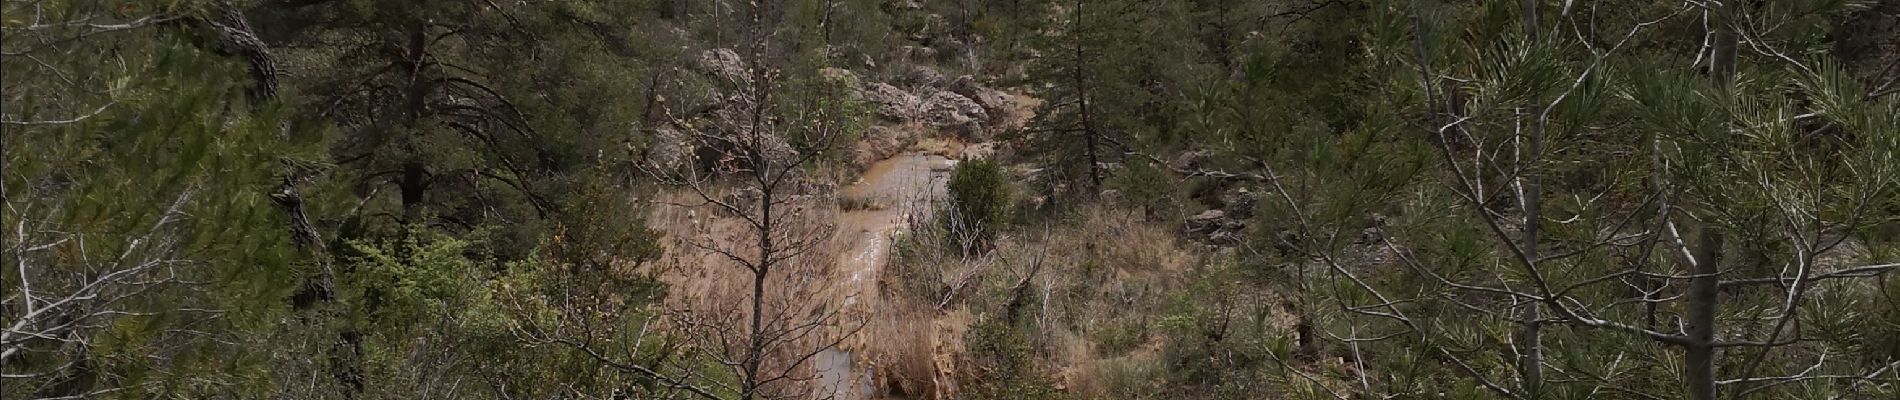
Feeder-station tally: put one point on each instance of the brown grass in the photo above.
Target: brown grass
(848, 203)
(914, 351)
(1101, 269)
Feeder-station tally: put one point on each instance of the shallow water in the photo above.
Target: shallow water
(901, 190)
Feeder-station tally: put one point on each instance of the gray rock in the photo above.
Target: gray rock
(995, 103)
(1190, 160)
(956, 114)
(879, 142)
(1240, 202)
(668, 149)
(724, 64)
(1205, 222)
(893, 104)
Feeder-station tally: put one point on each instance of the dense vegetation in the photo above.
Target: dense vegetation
(1185, 199)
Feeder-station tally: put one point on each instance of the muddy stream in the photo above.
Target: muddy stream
(895, 193)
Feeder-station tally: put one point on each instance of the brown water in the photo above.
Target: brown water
(900, 190)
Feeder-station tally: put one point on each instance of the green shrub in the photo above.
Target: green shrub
(1121, 336)
(979, 199)
(1005, 358)
(1149, 187)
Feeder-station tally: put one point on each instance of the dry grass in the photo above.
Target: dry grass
(1102, 270)
(708, 301)
(848, 203)
(915, 351)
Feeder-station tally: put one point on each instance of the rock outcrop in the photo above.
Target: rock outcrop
(724, 64)
(712, 138)
(955, 114)
(880, 142)
(669, 148)
(997, 105)
(1226, 223)
(891, 104)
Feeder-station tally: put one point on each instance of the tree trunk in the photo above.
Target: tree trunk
(755, 351)
(1530, 363)
(1702, 296)
(237, 38)
(1079, 76)
(414, 183)
(1699, 360)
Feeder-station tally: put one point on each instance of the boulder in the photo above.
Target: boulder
(668, 149)
(1190, 160)
(995, 103)
(880, 142)
(1239, 203)
(1206, 222)
(893, 104)
(956, 114)
(724, 64)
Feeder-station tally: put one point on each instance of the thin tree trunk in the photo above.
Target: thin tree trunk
(1530, 364)
(756, 351)
(1699, 358)
(1079, 76)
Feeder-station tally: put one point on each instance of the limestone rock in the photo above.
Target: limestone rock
(668, 148)
(996, 104)
(1190, 160)
(1205, 222)
(724, 64)
(956, 114)
(893, 104)
(880, 142)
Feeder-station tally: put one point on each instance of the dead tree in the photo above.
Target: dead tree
(761, 157)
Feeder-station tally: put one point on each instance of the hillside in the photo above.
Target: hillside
(902, 199)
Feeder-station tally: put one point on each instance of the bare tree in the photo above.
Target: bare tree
(61, 302)
(765, 153)
(755, 309)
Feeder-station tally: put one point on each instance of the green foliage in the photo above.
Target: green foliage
(979, 198)
(1118, 79)
(1007, 356)
(1119, 337)
(136, 216)
(405, 279)
(471, 166)
(1149, 187)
